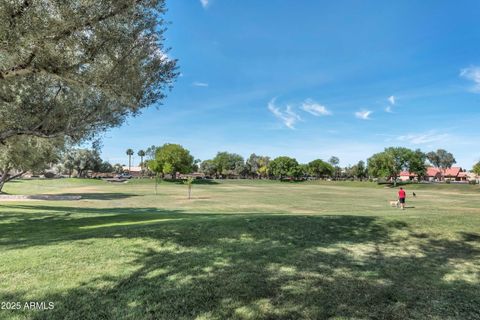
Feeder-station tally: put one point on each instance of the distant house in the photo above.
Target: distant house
(436, 174)
(433, 174)
(408, 176)
(134, 171)
(453, 174)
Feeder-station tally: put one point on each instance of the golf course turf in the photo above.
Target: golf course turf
(241, 249)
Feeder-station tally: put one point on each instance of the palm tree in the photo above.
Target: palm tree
(141, 154)
(129, 154)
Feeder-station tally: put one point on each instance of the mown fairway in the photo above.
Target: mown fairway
(241, 250)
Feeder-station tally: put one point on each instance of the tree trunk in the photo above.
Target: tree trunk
(6, 177)
(3, 179)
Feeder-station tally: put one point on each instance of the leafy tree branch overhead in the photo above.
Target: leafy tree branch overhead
(77, 68)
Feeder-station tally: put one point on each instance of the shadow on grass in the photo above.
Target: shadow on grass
(246, 266)
(87, 196)
(101, 195)
(196, 181)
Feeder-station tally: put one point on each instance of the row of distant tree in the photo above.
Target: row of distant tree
(172, 158)
(36, 155)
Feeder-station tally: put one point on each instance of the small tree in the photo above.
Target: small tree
(476, 168)
(141, 154)
(157, 169)
(189, 183)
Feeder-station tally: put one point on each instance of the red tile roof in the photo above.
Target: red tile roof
(432, 172)
(407, 174)
(451, 172)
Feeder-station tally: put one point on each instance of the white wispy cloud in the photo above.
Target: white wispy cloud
(363, 114)
(424, 138)
(288, 116)
(389, 109)
(199, 84)
(473, 74)
(315, 108)
(391, 99)
(205, 3)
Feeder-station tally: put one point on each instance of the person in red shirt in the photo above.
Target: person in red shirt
(401, 197)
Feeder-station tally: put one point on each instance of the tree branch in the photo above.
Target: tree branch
(24, 68)
(9, 178)
(88, 23)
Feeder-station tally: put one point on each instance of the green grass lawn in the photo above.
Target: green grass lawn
(241, 250)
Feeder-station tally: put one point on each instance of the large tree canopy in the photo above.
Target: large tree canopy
(170, 159)
(256, 166)
(82, 160)
(320, 168)
(78, 67)
(282, 167)
(229, 164)
(441, 159)
(389, 163)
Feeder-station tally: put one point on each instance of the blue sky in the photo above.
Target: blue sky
(312, 79)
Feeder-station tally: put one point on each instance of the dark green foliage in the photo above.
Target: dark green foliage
(476, 168)
(79, 67)
(283, 167)
(208, 167)
(228, 164)
(20, 154)
(389, 163)
(82, 161)
(441, 159)
(319, 168)
(170, 159)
